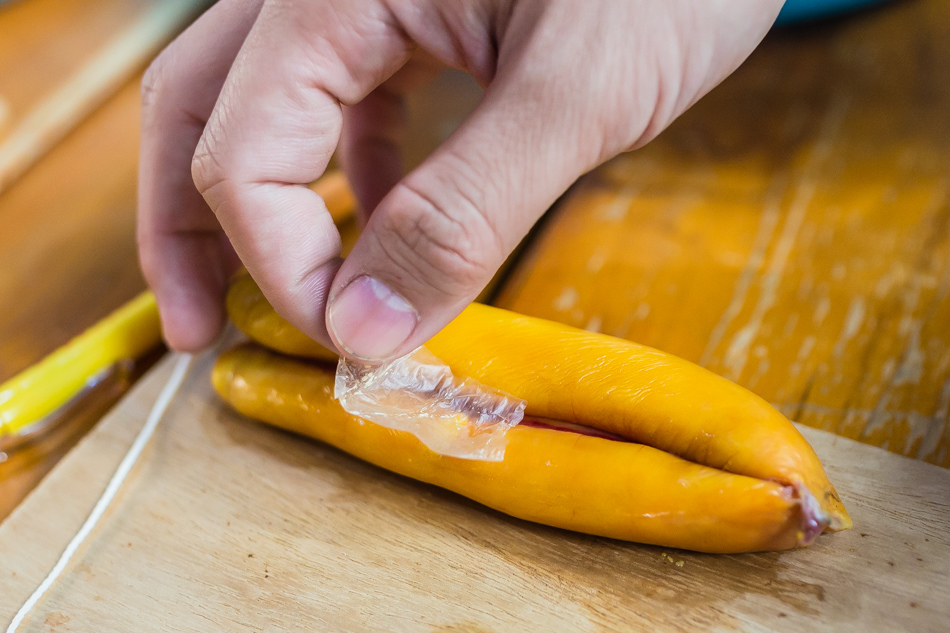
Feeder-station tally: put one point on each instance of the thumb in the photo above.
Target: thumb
(442, 232)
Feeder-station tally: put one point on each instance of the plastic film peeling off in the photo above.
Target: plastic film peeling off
(418, 393)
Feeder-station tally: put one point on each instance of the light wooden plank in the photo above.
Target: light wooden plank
(232, 525)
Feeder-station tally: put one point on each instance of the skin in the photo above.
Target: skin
(588, 484)
(246, 107)
(604, 383)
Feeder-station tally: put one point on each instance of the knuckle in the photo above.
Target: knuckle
(207, 168)
(154, 81)
(440, 251)
(147, 259)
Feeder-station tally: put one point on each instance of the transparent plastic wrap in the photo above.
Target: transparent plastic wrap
(418, 393)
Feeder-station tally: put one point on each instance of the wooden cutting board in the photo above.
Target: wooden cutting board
(227, 524)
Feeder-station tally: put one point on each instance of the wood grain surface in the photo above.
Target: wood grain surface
(60, 60)
(791, 232)
(231, 525)
(67, 249)
(67, 259)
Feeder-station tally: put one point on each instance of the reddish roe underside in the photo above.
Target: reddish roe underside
(814, 519)
(557, 425)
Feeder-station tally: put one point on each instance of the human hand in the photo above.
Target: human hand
(251, 101)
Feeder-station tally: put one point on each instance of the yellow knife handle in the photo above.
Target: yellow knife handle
(128, 332)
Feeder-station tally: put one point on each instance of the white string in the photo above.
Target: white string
(135, 451)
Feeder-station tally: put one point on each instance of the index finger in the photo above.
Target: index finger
(183, 253)
(273, 130)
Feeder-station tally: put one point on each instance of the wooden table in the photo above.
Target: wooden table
(59, 60)
(792, 231)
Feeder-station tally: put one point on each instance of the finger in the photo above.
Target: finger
(549, 115)
(439, 236)
(273, 130)
(371, 147)
(337, 195)
(183, 254)
(374, 131)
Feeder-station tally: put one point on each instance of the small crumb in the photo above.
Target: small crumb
(782, 615)
(851, 550)
(266, 575)
(679, 563)
(250, 555)
(913, 605)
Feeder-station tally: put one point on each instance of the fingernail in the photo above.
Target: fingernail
(369, 320)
